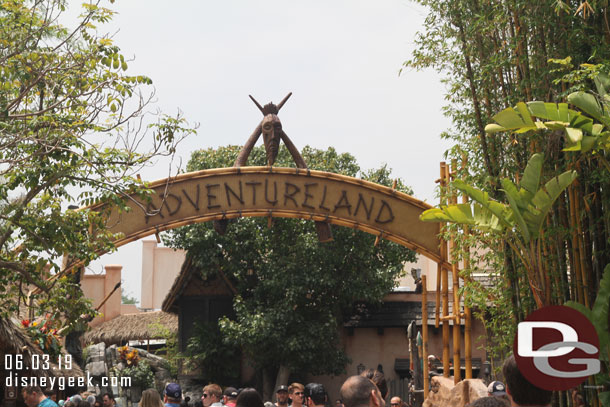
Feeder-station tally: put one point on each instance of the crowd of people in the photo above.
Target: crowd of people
(34, 396)
(368, 389)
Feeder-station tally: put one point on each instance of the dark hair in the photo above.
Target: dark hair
(378, 378)
(82, 403)
(316, 392)
(109, 394)
(490, 401)
(32, 389)
(520, 389)
(249, 397)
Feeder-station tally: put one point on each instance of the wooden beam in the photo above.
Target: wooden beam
(424, 328)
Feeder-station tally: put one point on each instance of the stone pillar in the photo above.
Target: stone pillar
(112, 307)
(148, 273)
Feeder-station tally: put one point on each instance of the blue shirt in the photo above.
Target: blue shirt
(47, 403)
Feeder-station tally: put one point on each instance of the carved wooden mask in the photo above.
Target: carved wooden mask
(272, 133)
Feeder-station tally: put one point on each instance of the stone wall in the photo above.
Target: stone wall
(104, 361)
(443, 393)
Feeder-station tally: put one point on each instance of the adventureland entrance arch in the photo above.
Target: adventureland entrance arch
(225, 193)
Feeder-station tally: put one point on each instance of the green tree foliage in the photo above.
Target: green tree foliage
(219, 359)
(126, 298)
(493, 54)
(70, 117)
(292, 290)
(169, 351)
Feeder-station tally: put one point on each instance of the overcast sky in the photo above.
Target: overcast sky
(340, 58)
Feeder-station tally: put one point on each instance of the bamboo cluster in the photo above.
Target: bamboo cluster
(442, 291)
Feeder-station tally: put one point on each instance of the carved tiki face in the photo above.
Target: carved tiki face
(272, 133)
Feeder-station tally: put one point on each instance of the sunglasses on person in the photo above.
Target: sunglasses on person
(298, 393)
(205, 395)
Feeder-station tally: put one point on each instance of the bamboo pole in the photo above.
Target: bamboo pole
(457, 374)
(445, 296)
(442, 251)
(424, 328)
(438, 293)
(575, 246)
(467, 311)
(581, 245)
(552, 268)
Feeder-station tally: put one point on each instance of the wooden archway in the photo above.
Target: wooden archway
(226, 193)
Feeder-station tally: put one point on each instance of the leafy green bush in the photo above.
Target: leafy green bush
(173, 357)
(141, 375)
(220, 361)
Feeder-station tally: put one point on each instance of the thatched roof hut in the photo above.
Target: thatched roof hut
(14, 340)
(127, 327)
(197, 297)
(190, 282)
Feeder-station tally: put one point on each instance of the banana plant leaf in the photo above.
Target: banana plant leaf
(544, 199)
(555, 116)
(516, 204)
(590, 105)
(531, 176)
(521, 118)
(498, 209)
(528, 204)
(464, 214)
(602, 83)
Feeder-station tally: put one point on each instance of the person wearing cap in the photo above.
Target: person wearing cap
(281, 396)
(358, 391)
(172, 396)
(496, 388)
(315, 395)
(296, 391)
(212, 396)
(229, 397)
